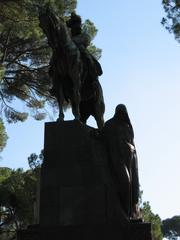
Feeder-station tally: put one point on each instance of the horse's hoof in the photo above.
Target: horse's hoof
(77, 120)
(60, 120)
(95, 133)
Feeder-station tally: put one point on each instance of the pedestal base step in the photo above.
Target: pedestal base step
(134, 231)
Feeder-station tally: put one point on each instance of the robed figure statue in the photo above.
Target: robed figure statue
(118, 136)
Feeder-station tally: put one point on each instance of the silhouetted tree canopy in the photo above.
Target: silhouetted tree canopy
(35, 160)
(171, 228)
(154, 219)
(17, 195)
(172, 19)
(3, 135)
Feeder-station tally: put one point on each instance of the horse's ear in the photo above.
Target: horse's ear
(48, 7)
(61, 18)
(41, 9)
(73, 13)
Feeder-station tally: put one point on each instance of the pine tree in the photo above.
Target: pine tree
(3, 135)
(172, 19)
(154, 219)
(171, 228)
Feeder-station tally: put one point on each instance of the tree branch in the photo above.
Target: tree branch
(26, 51)
(4, 102)
(6, 48)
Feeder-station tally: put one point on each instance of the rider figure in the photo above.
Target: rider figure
(82, 41)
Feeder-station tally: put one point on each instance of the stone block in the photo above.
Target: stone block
(74, 176)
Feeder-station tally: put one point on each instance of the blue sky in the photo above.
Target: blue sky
(140, 60)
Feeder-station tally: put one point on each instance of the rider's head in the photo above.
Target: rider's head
(75, 24)
(121, 113)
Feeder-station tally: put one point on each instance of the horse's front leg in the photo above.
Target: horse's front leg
(76, 98)
(99, 105)
(60, 99)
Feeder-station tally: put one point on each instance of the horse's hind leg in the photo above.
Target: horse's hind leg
(100, 120)
(99, 105)
(60, 99)
(99, 108)
(76, 98)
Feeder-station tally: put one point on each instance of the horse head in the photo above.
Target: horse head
(49, 23)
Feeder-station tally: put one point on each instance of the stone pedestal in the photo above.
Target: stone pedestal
(77, 196)
(76, 186)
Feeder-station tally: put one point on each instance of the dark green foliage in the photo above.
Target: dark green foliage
(17, 194)
(154, 219)
(172, 19)
(3, 135)
(171, 228)
(90, 28)
(18, 191)
(4, 173)
(35, 160)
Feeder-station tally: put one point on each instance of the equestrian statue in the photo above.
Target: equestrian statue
(73, 70)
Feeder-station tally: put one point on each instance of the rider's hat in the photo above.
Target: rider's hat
(74, 21)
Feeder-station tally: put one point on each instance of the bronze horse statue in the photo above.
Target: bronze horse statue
(72, 78)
